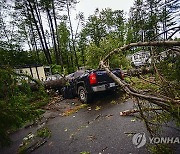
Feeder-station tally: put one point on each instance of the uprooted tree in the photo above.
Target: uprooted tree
(155, 108)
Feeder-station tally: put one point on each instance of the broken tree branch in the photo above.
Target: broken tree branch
(173, 28)
(140, 44)
(149, 81)
(131, 91)
(129, 112)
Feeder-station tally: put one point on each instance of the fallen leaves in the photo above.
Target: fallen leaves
(133, 120)
(84, 152)
(73, 110)
(109, 116)
(129, 133)
(113, 102)
(97, 108)
(66, 130)
(91, 138)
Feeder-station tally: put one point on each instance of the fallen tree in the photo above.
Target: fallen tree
(36, 84)
(53, 84)
(151, 107)
(127, 88)
(143, 44)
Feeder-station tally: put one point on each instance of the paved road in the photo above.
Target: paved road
(95, 131)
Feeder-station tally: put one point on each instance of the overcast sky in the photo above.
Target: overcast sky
(88, 7)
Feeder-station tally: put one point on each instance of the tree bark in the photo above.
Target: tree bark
(39, 33)
(42, 31)
(54, 84)
(72, 36)
(53, 36)
(129, 112)
(57, 36)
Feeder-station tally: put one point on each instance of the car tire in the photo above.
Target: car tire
(83, 95)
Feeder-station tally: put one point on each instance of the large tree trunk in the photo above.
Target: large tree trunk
(72, 36)
(53, 36)
(39, 33)
(32, 36)
(53, 84)
(57, 36)
(42, 31)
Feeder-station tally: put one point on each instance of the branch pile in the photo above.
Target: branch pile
(163, 101)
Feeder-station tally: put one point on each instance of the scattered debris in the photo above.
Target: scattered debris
(50, 143)
(73, 110)
(34, 141)
(63, 106)
(133, 120)
(98, 108)
(84, 152)
(129, 133)
(113, 102)
(104, 149)
(97, 117)
(129, 112)
(66, 130)
(89, 108)
(91, 138)
(109, 116)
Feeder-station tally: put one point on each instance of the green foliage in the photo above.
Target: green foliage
(56, 69)
(139, 84)
(160, 149)
(94, 54)
(148, 17)
(18, 104)
(44, 132)
(66, 49)
(32, 141)
(14, 58)
(170, 68)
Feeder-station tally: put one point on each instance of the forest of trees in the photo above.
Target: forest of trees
(42, 31)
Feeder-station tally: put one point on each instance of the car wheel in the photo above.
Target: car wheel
(83, 95)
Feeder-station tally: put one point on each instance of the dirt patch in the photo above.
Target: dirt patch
(61, 105)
